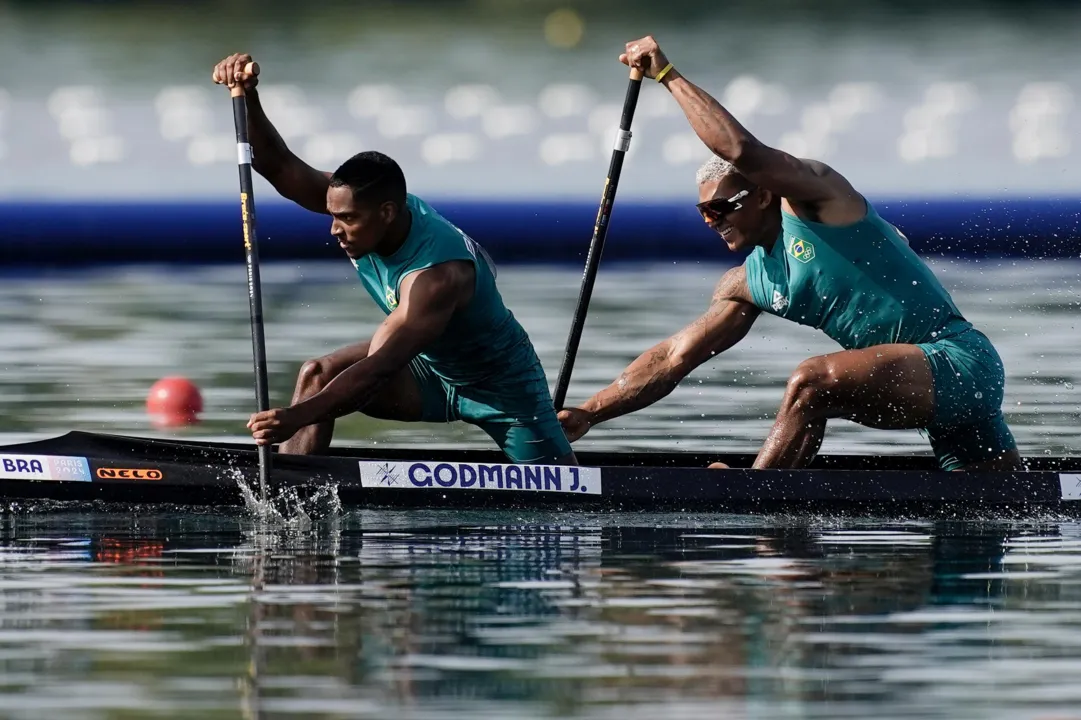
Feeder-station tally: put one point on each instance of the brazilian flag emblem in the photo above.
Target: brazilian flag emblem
(802, 250)
(392, 302)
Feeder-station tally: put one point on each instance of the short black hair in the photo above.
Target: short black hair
(373, 177)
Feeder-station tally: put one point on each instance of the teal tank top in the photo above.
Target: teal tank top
(483, 341)
(861, 284)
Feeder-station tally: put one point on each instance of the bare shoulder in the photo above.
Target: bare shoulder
(449, 281)
(819, 168)
(841, 204)
(732, 286)
(840, 185)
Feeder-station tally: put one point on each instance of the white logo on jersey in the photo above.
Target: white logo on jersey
(780, 302)
(473, 246)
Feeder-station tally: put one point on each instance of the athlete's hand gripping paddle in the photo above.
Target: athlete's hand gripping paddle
(600, 231)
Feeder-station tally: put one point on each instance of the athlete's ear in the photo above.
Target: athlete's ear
(765, 197)
(388, 212)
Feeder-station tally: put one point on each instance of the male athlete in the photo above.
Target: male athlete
(449, 348)
(820, 256)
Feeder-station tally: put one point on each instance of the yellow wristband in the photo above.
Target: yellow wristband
(664, 72)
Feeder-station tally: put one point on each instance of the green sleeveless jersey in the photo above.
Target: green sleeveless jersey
(483, 341)
(861, 284)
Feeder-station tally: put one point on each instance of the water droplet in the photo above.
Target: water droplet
(979, 395)
(915, 283)
(934, 333)
(1068, 385)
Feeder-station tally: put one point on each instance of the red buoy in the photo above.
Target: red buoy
(174, 402)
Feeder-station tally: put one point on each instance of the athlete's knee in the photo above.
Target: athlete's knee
(314, 374)
(317, 373)
(810, 386)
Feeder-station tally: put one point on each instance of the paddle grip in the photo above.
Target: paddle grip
(237, 90)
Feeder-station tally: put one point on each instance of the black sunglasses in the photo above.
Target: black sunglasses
(715, 209)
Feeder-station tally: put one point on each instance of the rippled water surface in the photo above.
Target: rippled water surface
(433, 615)
(119, 612)
(80, 351)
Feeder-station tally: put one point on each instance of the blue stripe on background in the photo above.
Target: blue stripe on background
(78, 233)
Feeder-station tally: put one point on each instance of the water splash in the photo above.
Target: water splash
(295, 507)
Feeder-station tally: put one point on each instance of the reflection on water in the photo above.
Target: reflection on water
(80, 350)
(377, 614)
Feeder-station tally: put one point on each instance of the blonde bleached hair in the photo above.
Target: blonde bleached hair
(714, 169)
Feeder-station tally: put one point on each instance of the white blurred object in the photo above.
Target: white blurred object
(183, 111)
(821, 122)
(847, 101)
(746, 95)
(603, 117)
(563, 100)
(86, 123)
(467, 101)
(395, 122)
(506, 120)
(683, 149)
(212, 148)
(654, 104)
(76, 97)
(564, 148)
(931, 128)
(99, 149)
(329, 150)
(450, 147)
(807, 145)
(4, 102)
(1038, 122)
(292, 114)
(369, 101)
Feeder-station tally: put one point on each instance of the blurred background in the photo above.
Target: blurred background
(958, 119)
(946, 115)
(110, 98)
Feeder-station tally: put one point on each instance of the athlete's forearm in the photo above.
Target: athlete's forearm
(715, 126)
(349, 392)
(270, 154)
(652, 376)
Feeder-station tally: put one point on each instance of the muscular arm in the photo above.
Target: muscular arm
(658, 371)
(429, 299)
(811, 187)
(293, 178)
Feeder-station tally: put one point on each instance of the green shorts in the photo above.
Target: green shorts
(519, 416)
(969, 379)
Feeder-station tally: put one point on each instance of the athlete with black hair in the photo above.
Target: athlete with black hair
(449, 348)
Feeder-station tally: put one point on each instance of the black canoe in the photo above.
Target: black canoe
(82, 466)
